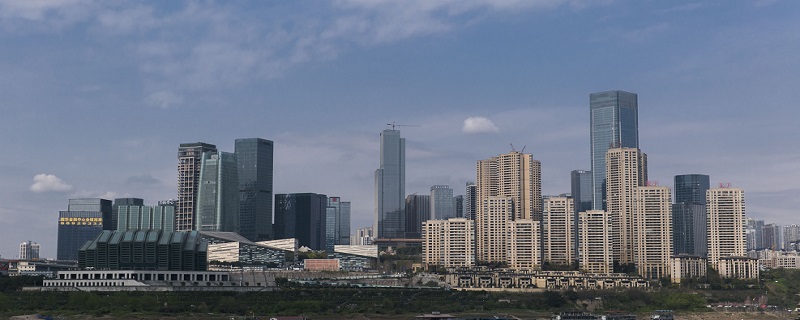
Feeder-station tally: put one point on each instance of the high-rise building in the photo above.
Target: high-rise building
(254, 159)
(218, 193)
(791, 234)
(492, 228)
(523, 244)
(442, 204)
(594, 241)
(652, 231)
(330, 227)
(29, 250)
(363, 236)
(689, 214)
(726, 224)
(470, 201)
(82, 221)
(390, 186)
(112, 223)
(754, 229)
(626, 169)
(458, 204)
(582, 193)
(189, 159)
(418, 210)
(771, 236)
(301, 216)
(133, 217)
(614, 123)
(516, 175)
(557, 231)
(337, 223)
(344, 222)
(448, 243)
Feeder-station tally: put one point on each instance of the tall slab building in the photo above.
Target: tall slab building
(726, 224)
(189, 157)
(652, 239)
(558, 225)
(442, 203)
(254, 157)
(614, 123)
(302, 216)
(390, 186)
(626, 169)
(516, 175)
(418, 210)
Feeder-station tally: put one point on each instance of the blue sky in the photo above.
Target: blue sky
(97, 95)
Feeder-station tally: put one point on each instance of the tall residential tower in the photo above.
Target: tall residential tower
(189, 156)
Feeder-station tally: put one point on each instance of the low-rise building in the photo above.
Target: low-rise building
(534, 279)
(321, 264)
(151, 280)
(356, 257)
(738, 268)
(684, 267)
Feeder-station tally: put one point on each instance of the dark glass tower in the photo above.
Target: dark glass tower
(614, 123)
(689, 215)
(301, 216)
(418, 210)
(390, 186)
(254, 157)
(82, 222)
(581, 188)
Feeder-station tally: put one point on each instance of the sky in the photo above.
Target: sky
(96, 96)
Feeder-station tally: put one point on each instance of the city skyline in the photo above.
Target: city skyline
(474, 76)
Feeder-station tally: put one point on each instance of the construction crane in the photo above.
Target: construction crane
(393, 124)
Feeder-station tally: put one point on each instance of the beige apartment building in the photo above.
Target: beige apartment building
(448, 243)
(558, 228)
(492, 229)
(523, 244)
(594, 242)
(626, 169)
(652, 231)
(726, 224)
(516, 175)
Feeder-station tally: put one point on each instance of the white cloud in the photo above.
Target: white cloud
(479, 125)
(48, 182)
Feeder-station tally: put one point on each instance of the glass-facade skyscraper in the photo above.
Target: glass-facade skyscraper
(418, 210)
(82, 222)
(582, 194)
(189, 155)
(689, 215)
(254, 158)
(442, 203)
(390, 186)
(301, 216)
(218, 193)
(614, 123)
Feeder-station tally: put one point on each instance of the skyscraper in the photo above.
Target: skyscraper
(218, 193)
(189, 156)
(337, 223)
(442, 203)
(255, 169)
(557, 231)
(614, 123)
(594, 234)
(626, 169)
(390, 186)
(301, 216)
(82, 221)
(418, 210)
(582, 193)
(726, 223)
(689, 214)
(470, 201)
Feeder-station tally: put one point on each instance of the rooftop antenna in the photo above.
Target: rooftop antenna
(393, 124)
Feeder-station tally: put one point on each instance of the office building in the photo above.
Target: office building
(626, 169)
(614, 123)
(113, 221)
(218, 193)
(652, 231)
(523, 239)
(791, 234)
(330, 227)
(448, 243)
(363, 236)
(418, 210)
(558, 225)
(82, 221)
(516, 175)
(390, 186)
(725, 221)
(442, 203)
(255, 169)
(134, 217)
(189, 161)
(582, 193)
(458, 203)
(470, 201)
(29, 250)
(594, 242)
(301, 216)
(754, 229)
(341, 221)
(689, 215)
(492, 229)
